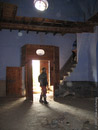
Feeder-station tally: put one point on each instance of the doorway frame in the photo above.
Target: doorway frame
(51, 53)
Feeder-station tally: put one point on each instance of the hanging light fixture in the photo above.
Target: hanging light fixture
(41, 4)
(40, 52)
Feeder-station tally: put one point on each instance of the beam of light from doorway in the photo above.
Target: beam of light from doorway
(35, 73)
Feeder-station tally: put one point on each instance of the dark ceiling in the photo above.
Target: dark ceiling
(9, 20)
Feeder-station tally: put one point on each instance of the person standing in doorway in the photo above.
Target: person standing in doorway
(42, 78)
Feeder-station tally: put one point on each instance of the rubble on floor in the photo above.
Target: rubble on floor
(68, 113)
(66, 122)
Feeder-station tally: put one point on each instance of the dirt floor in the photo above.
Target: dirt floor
(64, 113)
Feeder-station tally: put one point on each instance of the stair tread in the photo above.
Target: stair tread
(68, 68)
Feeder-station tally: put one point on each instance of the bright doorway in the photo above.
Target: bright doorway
(35, 73)
(36, 70)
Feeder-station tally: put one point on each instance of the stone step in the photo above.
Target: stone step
(68, 73)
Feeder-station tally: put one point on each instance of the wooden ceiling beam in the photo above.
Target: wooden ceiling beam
(46, 25)
(9, 20)
(15, 26)
(29, 20)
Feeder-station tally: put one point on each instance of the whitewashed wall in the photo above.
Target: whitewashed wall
(86, 69)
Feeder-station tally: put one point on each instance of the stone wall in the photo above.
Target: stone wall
(80, 88)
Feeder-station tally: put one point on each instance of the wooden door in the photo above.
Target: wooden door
(14, 81)
(50, 75)
(52, 78)
(29, 81)
(23, 81)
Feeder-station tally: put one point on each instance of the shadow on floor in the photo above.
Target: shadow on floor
(82, 103)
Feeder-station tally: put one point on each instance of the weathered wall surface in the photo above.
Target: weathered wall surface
(86, 69)
(11, 43)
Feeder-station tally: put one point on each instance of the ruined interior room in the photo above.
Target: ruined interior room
(62, 37)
